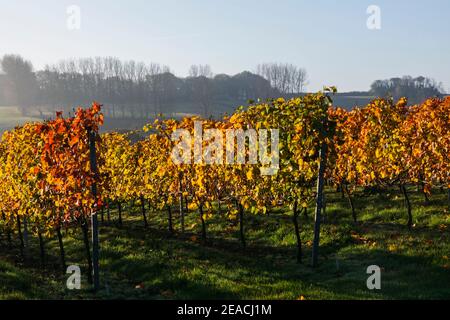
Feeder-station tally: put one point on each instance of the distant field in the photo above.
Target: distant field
(11, 117)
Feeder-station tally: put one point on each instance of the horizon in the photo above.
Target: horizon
(186, 76)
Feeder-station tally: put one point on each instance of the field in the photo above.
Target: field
(139, 263)
(11, 117)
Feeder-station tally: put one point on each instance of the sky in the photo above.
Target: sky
(330, 39)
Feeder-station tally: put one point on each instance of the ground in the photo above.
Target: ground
(139, 263)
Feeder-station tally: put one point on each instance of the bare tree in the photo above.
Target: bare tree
(299, 80)
(135, 89)
(284, 77)
(201, 84)
(196, 71)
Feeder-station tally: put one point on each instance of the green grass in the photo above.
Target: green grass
(138, 263)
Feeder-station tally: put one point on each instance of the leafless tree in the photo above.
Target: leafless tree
(196, 71)
(131, 89)
(286, 78)
(200, 81)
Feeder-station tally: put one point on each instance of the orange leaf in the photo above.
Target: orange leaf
(74, 141)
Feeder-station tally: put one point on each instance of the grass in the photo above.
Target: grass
(138, 263)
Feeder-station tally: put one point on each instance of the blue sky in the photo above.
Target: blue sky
(328, 38)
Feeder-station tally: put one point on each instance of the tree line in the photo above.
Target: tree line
(416, 89)
(130, 89)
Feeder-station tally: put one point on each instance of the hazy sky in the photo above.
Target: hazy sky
(328, 38)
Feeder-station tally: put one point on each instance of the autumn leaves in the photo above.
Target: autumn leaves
(46, 176)
(45, 169)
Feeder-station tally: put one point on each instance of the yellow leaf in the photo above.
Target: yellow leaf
(377, 153)
(392, 247)
(192, 206)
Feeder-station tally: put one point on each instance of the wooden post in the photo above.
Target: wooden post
(200, 208)
(169, 218)
(241, 225)
(8, 231)
(42, 249)
(19, 229)
(143, 211)
(319, 200)
(62, 253)
(94, 218)
(119, 206)
(181, 202)
(108, 211)
(295, 215)
(87, 247)
(25, 237)
(448, 197)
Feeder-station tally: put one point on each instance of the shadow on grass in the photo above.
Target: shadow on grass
(402, 277)
(138, 263)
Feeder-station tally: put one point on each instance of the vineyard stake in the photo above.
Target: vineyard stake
(94, 217)
(180, 177)
(25, 236)
(320, 187)
(319, 204)
(448, 196)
